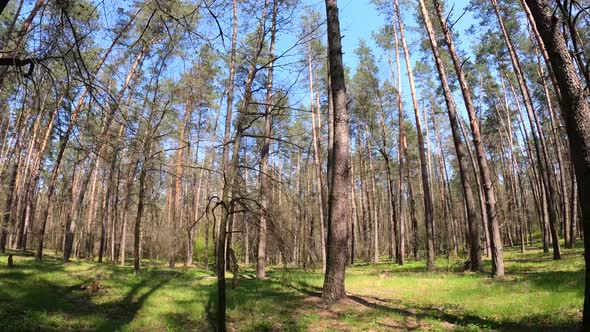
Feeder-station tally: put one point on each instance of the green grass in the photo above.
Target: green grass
(538, 294)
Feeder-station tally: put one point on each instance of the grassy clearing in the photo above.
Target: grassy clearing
(538, 294)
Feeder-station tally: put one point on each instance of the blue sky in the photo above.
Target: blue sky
(359, 18)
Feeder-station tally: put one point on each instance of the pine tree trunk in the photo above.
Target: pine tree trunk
(576, 113)
(264, 185)
(124, 211)
(8, 205)
(395, 248)
(539, 141)
(355, 213)
(413, 218)
(428, 208)
(230, 169)
(371, 195)
(490, 196)
(318, 179)
(574, 210)
(474, 244)
(338, 206)
(90, 221)
(140, 207)
(401, 234)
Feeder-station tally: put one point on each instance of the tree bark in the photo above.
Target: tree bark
(230, 169)
(338, 205)
(576, 113)
(318, 179)
(264, 190)
(545, 167)
(490, 196)
(426, 184)
(474, 244)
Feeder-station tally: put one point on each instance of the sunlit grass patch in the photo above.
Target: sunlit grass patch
(538, 293)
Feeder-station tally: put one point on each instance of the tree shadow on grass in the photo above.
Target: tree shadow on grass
(32, 301)
(463, 319)
(257, 306)
(388, 267)
(126, 310)
(556, 281)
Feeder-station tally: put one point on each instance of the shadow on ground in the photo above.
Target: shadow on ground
(453, 317)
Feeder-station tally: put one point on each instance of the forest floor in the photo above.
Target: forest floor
(538, 294)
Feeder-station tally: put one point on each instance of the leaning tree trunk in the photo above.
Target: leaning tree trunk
(576, 113)
(540, 144)
(474, 244)
(490, 195)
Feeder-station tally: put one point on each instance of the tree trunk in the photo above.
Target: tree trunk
(474, 244)
(338, 205)
(318, 179)
(395, 248)
(545, 167)
(414, 220)
(371, 196)
(577, 118)
(126, 199)
(428, 208)
(230, 170)
(574, 210)
(8, 205)
(401, 234)
(264, 190)
(490, 196)
(354, 221)
(90, 221)
(140, 207)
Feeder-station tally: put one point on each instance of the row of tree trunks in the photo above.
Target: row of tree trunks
(426, 183)
(545, 168)
(489, 192)
(474, 237)
(65, 139)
